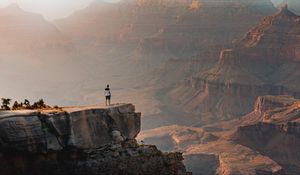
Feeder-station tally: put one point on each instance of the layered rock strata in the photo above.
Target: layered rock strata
(277, 132)
(80, 140)
(265, 62)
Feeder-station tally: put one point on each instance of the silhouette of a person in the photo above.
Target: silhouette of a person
(107, 94)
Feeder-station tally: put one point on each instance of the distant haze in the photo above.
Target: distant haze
(55, 9)
(50, 9)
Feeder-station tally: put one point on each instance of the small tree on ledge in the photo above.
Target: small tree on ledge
(5, 103)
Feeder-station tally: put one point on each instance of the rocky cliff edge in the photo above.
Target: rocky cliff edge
(80, 140)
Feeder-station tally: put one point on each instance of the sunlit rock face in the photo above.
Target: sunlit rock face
(28, 33)
(265, 62)
(277, 135)
(265, 141)
(276, 38)
(80, 140)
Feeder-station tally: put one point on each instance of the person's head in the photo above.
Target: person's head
(107, 85)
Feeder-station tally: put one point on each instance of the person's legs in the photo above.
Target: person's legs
(108, 100)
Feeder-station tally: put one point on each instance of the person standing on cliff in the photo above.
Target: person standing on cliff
(107, 94)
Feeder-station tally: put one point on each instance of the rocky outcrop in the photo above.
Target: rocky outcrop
(278, 132)
(265, 141)
(80, 140)
(174, 137)
(265, 62)
(275, 39)
(206, 153)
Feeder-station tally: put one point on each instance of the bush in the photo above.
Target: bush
(5, 103)
(26, 105)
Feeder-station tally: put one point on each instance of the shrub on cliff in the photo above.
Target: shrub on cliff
(17, 106)
(5, 103)
(39, 104)
(26, 105)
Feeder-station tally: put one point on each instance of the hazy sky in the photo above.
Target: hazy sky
(50, 9)
(53, 9)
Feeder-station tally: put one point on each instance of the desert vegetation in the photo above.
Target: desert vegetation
(40, 104)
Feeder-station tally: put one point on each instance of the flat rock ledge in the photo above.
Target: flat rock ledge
(80, 140)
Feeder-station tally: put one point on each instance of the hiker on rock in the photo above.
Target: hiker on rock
(107, 95)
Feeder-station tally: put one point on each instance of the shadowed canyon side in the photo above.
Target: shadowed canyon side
(265, 62)
(80, 140)
(265, 141)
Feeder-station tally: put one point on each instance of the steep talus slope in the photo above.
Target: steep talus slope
(264, 62)
(80, 140)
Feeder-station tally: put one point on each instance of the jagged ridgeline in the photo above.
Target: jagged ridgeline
(264, 62)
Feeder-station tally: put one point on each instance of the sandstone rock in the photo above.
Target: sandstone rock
(277, 135)
(80, 140)
(78, 127)
(265, 62)
(265, 141)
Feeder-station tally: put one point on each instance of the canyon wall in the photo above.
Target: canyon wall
(264, 62)
(277, 133)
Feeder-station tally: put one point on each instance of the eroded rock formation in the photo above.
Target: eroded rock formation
(265, 62)
(277, 133)
(265, 141)
(80, 140)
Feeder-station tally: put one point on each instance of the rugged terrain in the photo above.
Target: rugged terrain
(80, 140)
(264, 62)
(113, 43)
(265, 141)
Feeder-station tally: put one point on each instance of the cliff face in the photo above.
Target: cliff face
(277, 133)
(265, 141)
(82, 140)
(167, 32)
(265, 62)
(275, 39)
